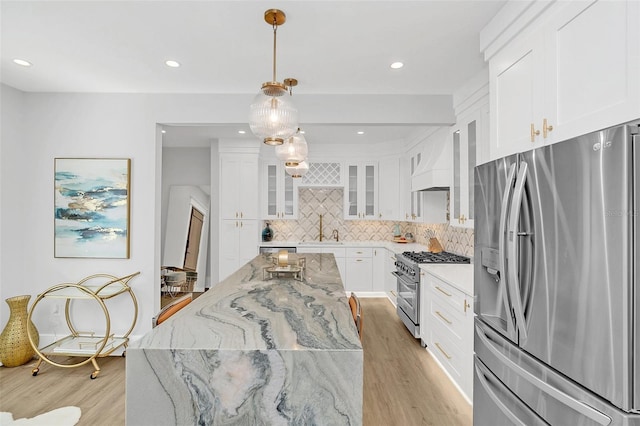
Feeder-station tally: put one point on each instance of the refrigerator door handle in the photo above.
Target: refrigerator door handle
(567, 400)
(504, 211)
(485, 384)
(512, 243)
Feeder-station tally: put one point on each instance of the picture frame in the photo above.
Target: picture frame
(92, 207)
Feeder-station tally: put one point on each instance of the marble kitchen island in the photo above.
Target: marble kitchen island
(252, 351)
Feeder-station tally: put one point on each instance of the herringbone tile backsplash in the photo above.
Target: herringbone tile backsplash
(329, 202)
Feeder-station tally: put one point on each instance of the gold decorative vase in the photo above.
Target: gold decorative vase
(15, 348)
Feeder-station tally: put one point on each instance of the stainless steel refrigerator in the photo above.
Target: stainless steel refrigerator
(557, 296)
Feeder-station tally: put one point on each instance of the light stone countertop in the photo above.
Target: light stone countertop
(394, 247)
(252, 351)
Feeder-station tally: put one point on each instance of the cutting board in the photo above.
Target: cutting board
(434, 245)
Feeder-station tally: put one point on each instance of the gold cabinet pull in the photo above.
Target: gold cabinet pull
(442, 291)
(534, 133)
(443, 317)
(241, 215)
(240, 224)
(466, 305)
(380, 215)
(236, 215)
(236, 223)
(358, 260)
(442, 350)
(546, 128)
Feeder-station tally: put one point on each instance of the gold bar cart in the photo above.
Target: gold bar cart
(98, 287)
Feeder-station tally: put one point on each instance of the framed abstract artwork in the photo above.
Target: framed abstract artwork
(91, 209)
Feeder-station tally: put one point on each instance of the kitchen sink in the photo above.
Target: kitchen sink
(320, 243)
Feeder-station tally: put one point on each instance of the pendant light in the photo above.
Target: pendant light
(298, 171)
(273, 117)
(293, 151)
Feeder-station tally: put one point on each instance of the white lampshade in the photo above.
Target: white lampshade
(298, 171)
(273, 118)
(293, 151)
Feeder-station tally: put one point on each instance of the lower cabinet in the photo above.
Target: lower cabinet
(359, 265)
(390, 281)
(238, 245)
(447, 318)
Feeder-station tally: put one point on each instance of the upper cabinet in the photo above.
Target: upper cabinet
(279, 192)
(389, 204)
(573, 70)
(238, 186)
(466, 136)
(361, 191)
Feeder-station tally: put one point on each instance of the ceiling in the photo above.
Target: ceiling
(225, 47)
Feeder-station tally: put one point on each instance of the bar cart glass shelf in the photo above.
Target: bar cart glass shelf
(99, 288)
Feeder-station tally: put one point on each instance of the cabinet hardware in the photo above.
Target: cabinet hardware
(236, 215)
(393, 292)
(236, 223)
(443, 317)
(358, 260)
(406, 215)
(241, 224)
(546, 128)
(442, 350)
(393, 258)
(442, 291)
(466, 305)
(241, 215)
(534, 133)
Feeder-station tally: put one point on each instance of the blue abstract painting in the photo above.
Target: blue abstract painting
(92, 207)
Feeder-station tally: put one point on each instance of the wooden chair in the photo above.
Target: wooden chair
(356, 311)
(171, 309)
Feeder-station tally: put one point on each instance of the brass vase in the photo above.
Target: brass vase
(15, 348)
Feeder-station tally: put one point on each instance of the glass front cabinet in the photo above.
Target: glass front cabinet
(466, 136)
(361, 191)
(279, 192)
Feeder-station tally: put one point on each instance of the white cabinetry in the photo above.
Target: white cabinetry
(447, 316)
(359, 270)
(573, 71)
(390, 281)
(361, 191)
(389, 200)
(239, 230)
(378, 269)
(238, 245)
(279, 192)
(466, 136)
(238, 186)
(415, 197)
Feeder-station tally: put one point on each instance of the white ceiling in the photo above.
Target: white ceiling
(225, 47)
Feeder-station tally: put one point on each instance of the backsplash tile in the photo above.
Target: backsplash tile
(329, 202)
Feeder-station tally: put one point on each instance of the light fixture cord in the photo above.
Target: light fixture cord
(275, 29)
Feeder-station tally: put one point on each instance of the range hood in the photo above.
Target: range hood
(434, 170)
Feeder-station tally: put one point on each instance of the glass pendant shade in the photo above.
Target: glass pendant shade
(273, 118)
(298, 171)
(293, 151)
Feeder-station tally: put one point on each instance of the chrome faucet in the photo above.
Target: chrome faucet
(320, 235)
(334, 234)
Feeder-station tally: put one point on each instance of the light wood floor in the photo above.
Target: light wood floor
(402, 383)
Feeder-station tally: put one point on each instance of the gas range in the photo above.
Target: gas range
(428, 257)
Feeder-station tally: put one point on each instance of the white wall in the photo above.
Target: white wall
(15, 177)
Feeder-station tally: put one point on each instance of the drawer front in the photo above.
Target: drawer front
(448, 294)
(450, 355)
(455, 323)
(359, 251)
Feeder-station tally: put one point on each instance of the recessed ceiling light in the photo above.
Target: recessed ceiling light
(360, 132)
(397, 65)
(242, 132)
(163, 131)
(22, 62)
(172, 64)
